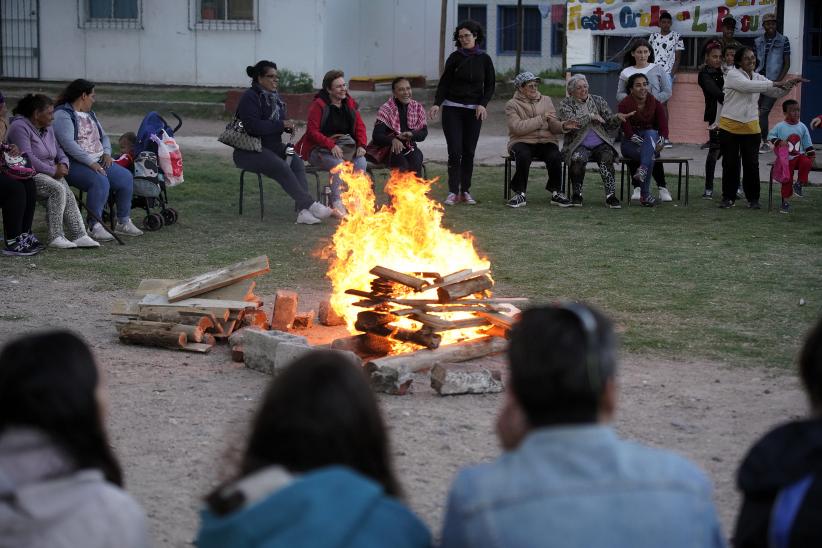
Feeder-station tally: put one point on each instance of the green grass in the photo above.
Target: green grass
(683, 283)
(552, 90)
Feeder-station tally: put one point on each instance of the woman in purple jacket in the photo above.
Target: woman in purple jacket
(31, 131)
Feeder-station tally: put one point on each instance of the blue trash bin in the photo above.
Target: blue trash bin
(603, 78)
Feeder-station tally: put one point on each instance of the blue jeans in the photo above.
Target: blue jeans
(117, 180)
(644, 154)
(323, 159)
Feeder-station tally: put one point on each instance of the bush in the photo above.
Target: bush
(292, 82)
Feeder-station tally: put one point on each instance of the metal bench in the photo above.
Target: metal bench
(665, 160)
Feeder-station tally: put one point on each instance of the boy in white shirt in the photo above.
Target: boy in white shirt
(667, 47)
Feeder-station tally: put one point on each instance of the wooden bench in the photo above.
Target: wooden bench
(662, 160)
(509, 173)
(369, 83)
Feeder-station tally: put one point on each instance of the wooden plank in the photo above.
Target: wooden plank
(155, 286)
(239, 291)
(452, 292)
(200, 348)
(457, 277)
(218, 278)
(399, 277)
(496, 318)
(159, 300)
(432, 321)
(125, 307)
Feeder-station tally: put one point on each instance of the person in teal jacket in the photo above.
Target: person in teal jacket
(316, 471)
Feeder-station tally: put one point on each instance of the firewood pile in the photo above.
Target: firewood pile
(464, 291)
(193, 314)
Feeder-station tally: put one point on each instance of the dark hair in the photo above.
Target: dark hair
(629, 61)
(330, 76)
(74, 91)
(320, 412)
(48, 382)
(129, 136)
(710, 46)
(633, 78)
(728, 48)
(729, 22)
(741, 53)
(31, 103)
(560, 357)
(665, 15)
(810, 365)
(471, 25)
(255, 71)
(787, 104)
(397, 80)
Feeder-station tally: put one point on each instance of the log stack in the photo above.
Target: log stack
(193, 314)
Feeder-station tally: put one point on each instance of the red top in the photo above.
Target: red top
(314, 137)
(652, 116)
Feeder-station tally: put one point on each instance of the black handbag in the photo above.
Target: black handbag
(235, 135)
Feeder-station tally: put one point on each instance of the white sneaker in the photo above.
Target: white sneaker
(99, 232)
(320, 211)
(636, 194)
(665, 195)
(127, 228)
(339, 207)
(60, 242)
(451, 199)
(305, 217)
(85, 241)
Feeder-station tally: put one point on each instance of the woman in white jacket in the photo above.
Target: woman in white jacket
(739, 133)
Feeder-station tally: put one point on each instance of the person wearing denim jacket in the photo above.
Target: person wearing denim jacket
(773, 60)
(567, 479)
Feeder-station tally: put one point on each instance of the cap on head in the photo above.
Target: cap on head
(525, 77)
(769, 17)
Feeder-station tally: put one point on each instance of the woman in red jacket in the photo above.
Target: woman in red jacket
(334, 132)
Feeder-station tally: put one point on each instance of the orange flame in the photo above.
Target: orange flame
(406, 236)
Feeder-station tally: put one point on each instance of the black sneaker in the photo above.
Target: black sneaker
(19, 248)
(754, 204)
(650, 201)
(797, 190)
(561, 200)
(613, 202)
(517, 201)
(32, 241)
(708, 194)
(786, 208)
(726, 204)
(576, 200)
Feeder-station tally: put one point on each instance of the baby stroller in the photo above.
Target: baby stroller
(149, 179)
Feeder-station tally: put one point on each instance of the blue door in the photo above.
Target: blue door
(812, 65)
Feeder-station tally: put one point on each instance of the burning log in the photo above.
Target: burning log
(457, 277)
(369, 319)
(424, 337)
(452, 292)
(404, 279)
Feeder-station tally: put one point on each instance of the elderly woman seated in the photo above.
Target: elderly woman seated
(590, 142)
(532, 129)
(399, 127)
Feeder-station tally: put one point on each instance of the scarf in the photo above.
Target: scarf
(644, 117)
(272, 99)
(468, 52)
(389, 114)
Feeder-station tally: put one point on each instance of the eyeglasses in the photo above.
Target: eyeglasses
(468, 35)
(531, 85)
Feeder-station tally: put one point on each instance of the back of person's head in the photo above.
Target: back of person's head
(788, 104)
(810, 366)
(330, 76)
(728, 22)
(474, 27)
(255, 71)
(740, 53)
(31, 103)
(49, 382)
(75, 90)
(321, 412)
(561, 358)
(129, 138)
(628, 60)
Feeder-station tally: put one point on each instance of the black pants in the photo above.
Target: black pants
(765, 106)
(461, 129)
(412, 161)
(734, 147)
(270, 164)
(525, 153)
(17, 200)
(714, 153)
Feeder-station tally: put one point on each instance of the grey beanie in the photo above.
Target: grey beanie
(525, 77)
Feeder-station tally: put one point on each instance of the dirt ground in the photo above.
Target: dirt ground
(176, 418)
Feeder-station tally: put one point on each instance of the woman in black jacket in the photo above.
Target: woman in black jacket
(465, 88)
(264, 115)
(711, 81)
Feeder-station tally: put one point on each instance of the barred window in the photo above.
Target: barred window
(226, 15)
(507, 30)
(110, 14)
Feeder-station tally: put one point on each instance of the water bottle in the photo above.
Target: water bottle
(326, 196)
(289, 153)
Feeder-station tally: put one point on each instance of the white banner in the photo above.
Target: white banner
(690, 17)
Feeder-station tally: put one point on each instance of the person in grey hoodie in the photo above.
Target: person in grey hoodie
(60, 482)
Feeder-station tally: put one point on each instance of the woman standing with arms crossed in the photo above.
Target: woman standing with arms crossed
(465, 88)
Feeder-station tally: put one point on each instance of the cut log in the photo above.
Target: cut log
(131, 333)
(303, 320)
(218, 278)
(285, 308)
(126, 307)
(209, 339)
(328, 316)
(457, 277)
(200, 348)
(425, 359)
(496, 331)
(368, 319)
(200, 312)
(257, 318)
(434, 322)
(242, 290)
(497, 318)
(423, 337)
(452, 292)
(399, 277)
(208, 304)
(467, 323)
(193, 333)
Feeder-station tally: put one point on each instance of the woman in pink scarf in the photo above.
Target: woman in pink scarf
(400, 125)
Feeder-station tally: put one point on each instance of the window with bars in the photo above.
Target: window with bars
(474, 12)
(226, 15)
(110, 14)
(507, 30)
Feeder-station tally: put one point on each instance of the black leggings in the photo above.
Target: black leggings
(17, 200)
(291, 177)
(714, 153)
(461, 129)
(525, 153)
(734, 146)
(412, 161)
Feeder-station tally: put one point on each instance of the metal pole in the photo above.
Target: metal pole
(519, 35)
(443, 15)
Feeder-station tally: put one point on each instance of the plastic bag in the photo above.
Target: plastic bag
(781, 168)
(170, 157)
